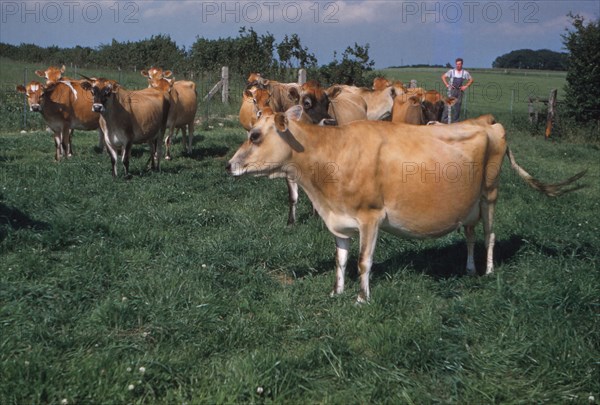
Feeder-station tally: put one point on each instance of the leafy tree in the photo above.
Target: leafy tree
(583, 75)
(351, 69)
(292, 54)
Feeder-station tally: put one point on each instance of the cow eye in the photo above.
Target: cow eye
(307, 103)
(254, 136)
(259, 114)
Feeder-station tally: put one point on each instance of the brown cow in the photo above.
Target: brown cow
(62, 111)
(129, 117)
(379, 102)
(412, 181)
(331, 106)
(283, 95)
(409, 110)
(54, 75)
(184, 104)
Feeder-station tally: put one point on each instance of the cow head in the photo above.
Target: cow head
(52, 74)
(102, 90)
(155, 76)
(314, 101)
(269, 146)
(34, 91)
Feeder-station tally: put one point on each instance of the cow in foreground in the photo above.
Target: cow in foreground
(184, 104)
(412, 181)
(62, 111)
(129, 117)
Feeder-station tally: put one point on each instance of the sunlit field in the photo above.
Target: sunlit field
(186, 285)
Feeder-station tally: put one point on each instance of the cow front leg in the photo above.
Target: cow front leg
(470, 236)
(342, 247)
(125, 156)
(292, 200)
(58, 146)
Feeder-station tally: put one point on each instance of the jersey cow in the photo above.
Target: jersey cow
(331, 106)
(379, 102)
(412, 181)
(184, 104)
(62, 111)
(129, 117)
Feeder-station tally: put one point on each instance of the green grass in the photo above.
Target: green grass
(194, 276)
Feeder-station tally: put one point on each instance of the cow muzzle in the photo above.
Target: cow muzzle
(97, 107)
(35, 107)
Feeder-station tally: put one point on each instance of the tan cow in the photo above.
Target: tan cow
(129, 117)
(409, 110)
(379, 102)
(283, 95)
(184, 104)
(62, 111)
(53, 74)
(331, 106)
(412, 181)
(247, 114)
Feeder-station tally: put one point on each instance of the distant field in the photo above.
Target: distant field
(185, 286)
(494, 91)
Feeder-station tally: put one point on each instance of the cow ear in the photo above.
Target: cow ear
(144, 73)
(248, 94)
(294, 113)
(40, 73)
(86, 85)
(21, 89)
(334, 92)
(281, 122)
(63, 69)
(294, 95)
(167, 73)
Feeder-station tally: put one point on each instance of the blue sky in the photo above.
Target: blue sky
(399, 32)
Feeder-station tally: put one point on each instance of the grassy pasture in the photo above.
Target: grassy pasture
(185, 286)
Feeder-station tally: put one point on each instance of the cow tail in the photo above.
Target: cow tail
(551, 190)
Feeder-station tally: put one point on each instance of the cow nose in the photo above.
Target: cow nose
(228, 167)
(97, 107)
(35, 107)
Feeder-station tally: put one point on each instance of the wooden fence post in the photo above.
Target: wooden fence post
(551, 112)
(225, 84)
(301, 76)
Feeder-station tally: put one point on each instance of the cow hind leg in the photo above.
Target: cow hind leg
(293, 200)
(470, 236)
(342, 247)
(368, 240)
(490, 238)
(190, 136)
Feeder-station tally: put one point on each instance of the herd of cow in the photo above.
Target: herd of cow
(364, 157)
(123, 117)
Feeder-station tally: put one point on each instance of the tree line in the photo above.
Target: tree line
(248, 52)
(542, 59)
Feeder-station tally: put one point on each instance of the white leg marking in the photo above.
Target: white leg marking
(342, 246)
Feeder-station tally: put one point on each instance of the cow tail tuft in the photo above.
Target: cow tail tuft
(551, 190)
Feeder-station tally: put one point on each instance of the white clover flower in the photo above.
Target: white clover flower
(64, 401)
(142, 370)
(131, 387)
(129, 369)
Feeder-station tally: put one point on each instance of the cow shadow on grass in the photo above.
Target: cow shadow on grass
(439, 263)
(15, 219)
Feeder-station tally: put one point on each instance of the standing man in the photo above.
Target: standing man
(457, 80)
